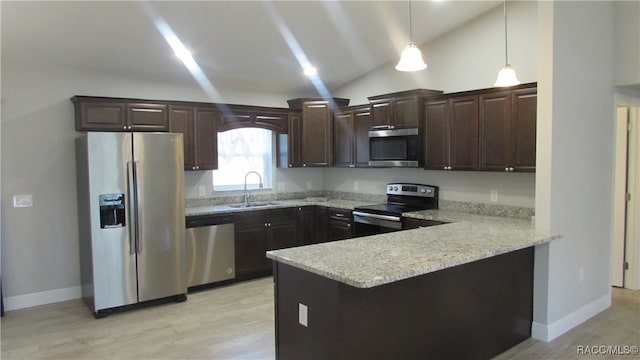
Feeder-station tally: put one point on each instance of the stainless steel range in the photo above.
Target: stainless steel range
(401, 197)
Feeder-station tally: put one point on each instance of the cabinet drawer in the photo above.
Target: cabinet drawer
(339, 214)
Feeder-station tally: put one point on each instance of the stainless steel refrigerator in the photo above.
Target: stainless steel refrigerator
(131, 218)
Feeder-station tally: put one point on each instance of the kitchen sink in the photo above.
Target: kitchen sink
(255, 204)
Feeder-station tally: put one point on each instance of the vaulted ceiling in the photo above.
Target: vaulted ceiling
(256, 45)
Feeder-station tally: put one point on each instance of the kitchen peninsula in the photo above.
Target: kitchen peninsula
(461, 290)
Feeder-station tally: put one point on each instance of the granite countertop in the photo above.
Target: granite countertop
(224, 209)
(381, 259)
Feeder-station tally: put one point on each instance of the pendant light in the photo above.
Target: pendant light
(506, 76)
(411, 57)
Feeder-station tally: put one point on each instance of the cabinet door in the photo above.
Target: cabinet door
(406, 112)
(282, 234)
(343, 139)
(294, 138)
(206, 139)
(251, 248)
(495, 117)
(306, 227)
(320, 225)
(100, 116)
(381, 112)
(523, 130)
(463, 130)
(181, 120)
(362, 125)
(436, 147)
(339, 230)
(147, 117)
(316, 134)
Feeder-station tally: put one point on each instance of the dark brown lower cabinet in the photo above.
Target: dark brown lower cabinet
(340, 225)
(471, 311)
(258, 231)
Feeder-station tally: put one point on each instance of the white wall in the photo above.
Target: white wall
(40, 244)
(574, 180)
(627, 43)
(468, 57)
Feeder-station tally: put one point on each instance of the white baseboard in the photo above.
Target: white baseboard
(549, 332)
(42, 298)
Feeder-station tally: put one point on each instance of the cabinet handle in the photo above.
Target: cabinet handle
(348, 225)
(506, 169)
(290, 165)
(445, 168)
(510, 169)
(351, 166)
(304, 165)
(265, 224)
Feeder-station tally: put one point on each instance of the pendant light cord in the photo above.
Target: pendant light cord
(410, 25)
(506, 54)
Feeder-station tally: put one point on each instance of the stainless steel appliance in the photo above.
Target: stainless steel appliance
(401, 197)
(131, 218)
(210, 249)
(395, 148)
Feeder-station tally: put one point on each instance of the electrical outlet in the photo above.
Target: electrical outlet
(356, 185)
(494, 195)
(309, 185)
(202, 191)
(581, 274)
(303, 315)
(281, 186)
(22, 200)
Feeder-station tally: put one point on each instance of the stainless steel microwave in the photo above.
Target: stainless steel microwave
(395, 148)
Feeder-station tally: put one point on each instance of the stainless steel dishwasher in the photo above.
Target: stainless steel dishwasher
(210, 249)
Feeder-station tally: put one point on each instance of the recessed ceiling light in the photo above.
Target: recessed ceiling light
(310, 71)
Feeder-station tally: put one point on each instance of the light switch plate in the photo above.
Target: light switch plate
(303, 315)
(202, 191)
(494, 195)
(22, 200)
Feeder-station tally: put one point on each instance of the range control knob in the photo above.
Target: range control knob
(395, 188)
(423, 191)
(390, 188)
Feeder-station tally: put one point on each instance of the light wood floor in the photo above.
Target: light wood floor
(236, 322)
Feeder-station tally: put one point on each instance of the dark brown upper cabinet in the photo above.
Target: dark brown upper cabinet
(488, 130)
(362, 124)
(115, 114)
(316, 129)
(399, 110)
(351, 127)
(239, 116)
(198, 127)
(451, 133)
(524, 105)
(508, 130)
(343, 139)
(288, 145)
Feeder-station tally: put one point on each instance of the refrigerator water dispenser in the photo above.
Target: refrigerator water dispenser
(112, 213)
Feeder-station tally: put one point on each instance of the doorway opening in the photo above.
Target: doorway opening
(625, 254)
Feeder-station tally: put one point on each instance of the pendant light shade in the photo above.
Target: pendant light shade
(507, 75)
(411, 57)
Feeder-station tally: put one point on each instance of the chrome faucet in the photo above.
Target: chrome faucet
(247, 194)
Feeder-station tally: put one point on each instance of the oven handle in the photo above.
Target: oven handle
(376, 216)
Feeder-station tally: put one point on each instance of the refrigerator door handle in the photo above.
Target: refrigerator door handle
(137, 207)
(131, 208)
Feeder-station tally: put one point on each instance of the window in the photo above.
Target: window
(240, 151)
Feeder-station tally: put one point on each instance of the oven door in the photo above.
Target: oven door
(366, 224)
